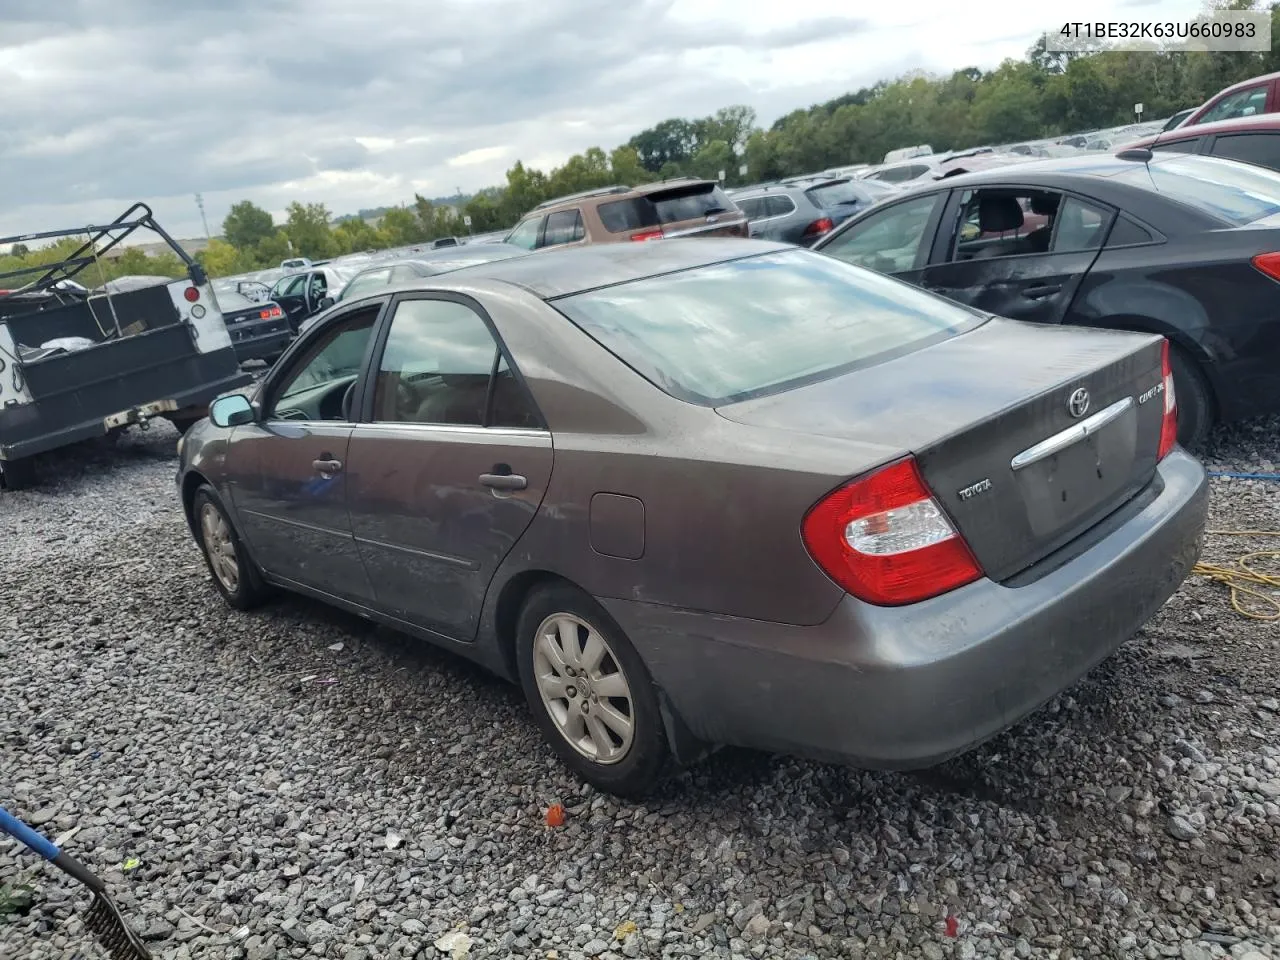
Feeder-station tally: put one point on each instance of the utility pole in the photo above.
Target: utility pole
(203, 218)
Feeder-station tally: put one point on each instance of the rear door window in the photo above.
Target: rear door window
(752, 207)
(1260, 149)
(1078, 226)
(779, 205)
(889, 240)
(563, 226)
(634, 213)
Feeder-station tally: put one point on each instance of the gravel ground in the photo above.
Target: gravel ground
(298, 783)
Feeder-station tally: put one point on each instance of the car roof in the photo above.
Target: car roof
(1243, 84)
(559, 273)
(1259, 121)
(1048, 170)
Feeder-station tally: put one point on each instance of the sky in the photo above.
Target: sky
(362, 104)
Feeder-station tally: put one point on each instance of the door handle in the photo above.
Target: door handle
(1045, 290)
(327, 466)
(504, 481)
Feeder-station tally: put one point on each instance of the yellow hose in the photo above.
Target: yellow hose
(1242, 579)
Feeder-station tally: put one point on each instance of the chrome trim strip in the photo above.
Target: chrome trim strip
(298, 524)
(444, 558)
(1060, 441)
(456, 428)
(687, 231)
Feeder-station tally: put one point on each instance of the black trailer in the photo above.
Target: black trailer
(77, 364)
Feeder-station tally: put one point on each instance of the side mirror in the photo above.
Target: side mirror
(325, 303)
(232, 411)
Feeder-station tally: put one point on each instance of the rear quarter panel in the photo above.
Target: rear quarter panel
(1205, 297)
(723, 502)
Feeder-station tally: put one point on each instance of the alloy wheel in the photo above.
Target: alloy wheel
(583, 688)
(219, 546)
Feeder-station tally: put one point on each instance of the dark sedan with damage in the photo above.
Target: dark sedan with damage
(1183, 246)
(259, 329)
(724, 492)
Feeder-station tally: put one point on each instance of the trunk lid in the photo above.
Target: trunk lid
(990, 417)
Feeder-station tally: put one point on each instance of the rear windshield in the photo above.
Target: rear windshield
(1235, 192)
(690, 202)
(834, 194)
(730, 331)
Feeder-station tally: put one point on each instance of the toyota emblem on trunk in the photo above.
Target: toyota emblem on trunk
(1078, 402)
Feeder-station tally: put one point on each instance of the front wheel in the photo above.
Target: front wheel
(590, 692)
(234, 573)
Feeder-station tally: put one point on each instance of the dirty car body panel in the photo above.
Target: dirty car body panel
(674, 491)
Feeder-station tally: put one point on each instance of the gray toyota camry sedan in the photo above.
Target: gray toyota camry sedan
(718, 492)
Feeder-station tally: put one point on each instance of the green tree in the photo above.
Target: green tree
(670, 142)
(221, 259)
(354, 235)
(307, 227)
(399, 227)
(247, 225)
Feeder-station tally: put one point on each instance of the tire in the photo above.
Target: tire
(234, 573)
(569, 619)
(18, 474)
(183, 424)
(1195, 401)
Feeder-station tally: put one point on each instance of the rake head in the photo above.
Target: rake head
(113, 933)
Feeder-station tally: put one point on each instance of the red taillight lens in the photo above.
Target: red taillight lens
(192, 294)
(886, 540)
(269, 313)
(825, 225)
(647, 235)
(1169, 423)
(1268, 263)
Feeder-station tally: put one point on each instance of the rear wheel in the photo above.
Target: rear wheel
(18, 474)
(1195, 402)
(590, 692)
(234, 573)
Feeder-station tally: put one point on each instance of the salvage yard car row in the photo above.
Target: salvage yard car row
(566, 461)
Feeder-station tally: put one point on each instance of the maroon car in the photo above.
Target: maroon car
(1254, 139)
(1257, 95)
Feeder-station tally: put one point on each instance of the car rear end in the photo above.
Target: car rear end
(837, 201)
(161, 350)
(680, 208)
(997, 507)
(258, 330)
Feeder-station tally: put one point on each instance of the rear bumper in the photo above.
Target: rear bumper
(908, 687)
(262, 346)
(38, 432)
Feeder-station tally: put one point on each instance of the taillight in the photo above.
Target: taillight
(269, 313)
(647, 235)
(825, 225)
(885, 539)
(192, 294)
(1169, 423)
(1268, 263)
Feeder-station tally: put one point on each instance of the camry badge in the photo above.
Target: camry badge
(1078, 402)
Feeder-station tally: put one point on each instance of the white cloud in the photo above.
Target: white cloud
(362, 105)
